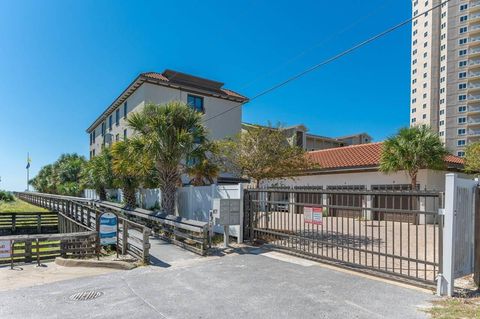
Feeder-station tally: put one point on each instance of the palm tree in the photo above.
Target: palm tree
(203, 172)
(98, 173)
(130, 169)
(172, 135)
(412, 149)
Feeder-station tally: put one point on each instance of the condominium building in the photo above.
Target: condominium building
(298, 135)
(206, 96)
(445, 70)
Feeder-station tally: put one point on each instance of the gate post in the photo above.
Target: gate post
(476, 272)
(445, 279)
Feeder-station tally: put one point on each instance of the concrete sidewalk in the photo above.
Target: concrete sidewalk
(234, 286)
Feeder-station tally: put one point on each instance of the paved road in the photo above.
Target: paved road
(235, 286)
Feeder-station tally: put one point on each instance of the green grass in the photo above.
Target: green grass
(19, 206)
(454, 308)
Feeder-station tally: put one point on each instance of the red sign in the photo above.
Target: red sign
(313, 215)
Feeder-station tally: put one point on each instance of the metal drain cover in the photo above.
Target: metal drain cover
(86, 295)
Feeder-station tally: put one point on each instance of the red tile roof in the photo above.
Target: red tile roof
(359, 156)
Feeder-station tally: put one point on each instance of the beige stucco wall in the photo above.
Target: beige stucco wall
(225, 125)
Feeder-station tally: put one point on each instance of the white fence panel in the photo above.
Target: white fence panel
(458, 232)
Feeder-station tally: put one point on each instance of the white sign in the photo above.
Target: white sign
(108, 229)
(5, 249)
(313, 215)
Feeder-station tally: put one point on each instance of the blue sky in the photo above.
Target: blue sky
(63, 62)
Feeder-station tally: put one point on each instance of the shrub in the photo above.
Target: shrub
(6, 196)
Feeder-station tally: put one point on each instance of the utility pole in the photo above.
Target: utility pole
(28, 172)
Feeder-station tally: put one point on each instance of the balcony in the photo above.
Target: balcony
(474, 51)
(474, 6)
(475, 17)
(475, 28)
(473, 133)
(473, 109)
(473, 121)
(474, 41)
(474, 63)
(474, 75)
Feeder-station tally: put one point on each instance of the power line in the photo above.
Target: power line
(316, 45)
(329, 60)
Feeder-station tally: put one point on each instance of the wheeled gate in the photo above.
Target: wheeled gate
(352, 227)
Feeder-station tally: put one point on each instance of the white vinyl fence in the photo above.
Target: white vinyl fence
(458, 232)
(193, 202)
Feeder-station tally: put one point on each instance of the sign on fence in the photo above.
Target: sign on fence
(313, 215)
(5, 249)
(108, 229)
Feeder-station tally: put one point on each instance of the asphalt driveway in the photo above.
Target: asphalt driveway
(235, 286)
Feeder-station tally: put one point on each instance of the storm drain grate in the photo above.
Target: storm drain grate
(86, 295)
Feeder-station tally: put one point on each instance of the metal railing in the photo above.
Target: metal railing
(391, 232)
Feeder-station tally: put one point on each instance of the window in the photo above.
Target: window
(442, 58)
(414, 52)
(462, 52)
(196, 102)
(424, 116)
(462, 41)
(125, 134)
(442, 79)
(414, 91)
(463, 7)
(425, 65)
(414, 61)
(461, 131)
(463, 30)
(443, 47)
(117, 137)
(442, 101)
(424, 106)
(442, 90)
(442, 112)
(463, 18)
(461, 143)
(414, 120)
(462, 75)
(414, 81)
(441, 133)
(425, 75)
(125, 110)
(424, 95)
(425, 54)
(442, 69)
(117, 117)
(462, 108)
(415, 22)
(93, 153)
(414, 110)
(462, 120)
(103, 128)
(461, 153)
(93, 137)
(425, 24)
(462, 97)
(443, 25)
(414, 42)
(414, 101)
(110, 120)
(424, 85)
(462, 86)
(414, 32)
(441, 123)
(462, 64)
(414, 71)
(425, 34)
(443, 36)
(425, 44)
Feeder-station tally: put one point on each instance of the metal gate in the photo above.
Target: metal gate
(394, 232)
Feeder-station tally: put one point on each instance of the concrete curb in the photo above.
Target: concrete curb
(122, 265)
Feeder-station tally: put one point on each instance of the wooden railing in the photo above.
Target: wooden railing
(28, 223)
(31, 248)
(189, 234)
(133, 238)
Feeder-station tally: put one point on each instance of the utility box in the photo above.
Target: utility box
(226, 211)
